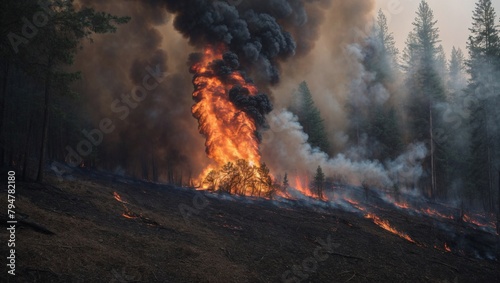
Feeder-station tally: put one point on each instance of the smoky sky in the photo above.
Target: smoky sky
(277, 43)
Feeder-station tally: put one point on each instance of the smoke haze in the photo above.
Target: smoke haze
(316, 42)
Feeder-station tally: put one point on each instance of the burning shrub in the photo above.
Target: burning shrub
(241, 178)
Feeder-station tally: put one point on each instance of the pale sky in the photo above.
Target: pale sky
(454, 19)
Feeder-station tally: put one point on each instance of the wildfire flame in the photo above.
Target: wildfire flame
(435, 213)
(118, 197)
(230, 132)
(477, 222)
(446, 248)
(384, 224)
(402, 205)
(301, 185)
(127, 214)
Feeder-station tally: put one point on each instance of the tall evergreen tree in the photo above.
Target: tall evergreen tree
(483, 67)
(310, 118)
(388, 51)
(41, 55)
(319, 182)
(370, 107)
(286, 183)
(386, 130)
(425, 88)
(457, 81)
(441, 64)
(455, 130)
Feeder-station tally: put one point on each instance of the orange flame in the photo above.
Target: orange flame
(446, 248)
(302, 187)
(402, 205)
(230, 132)
(118, 197)
(384, 224)
(433, 212)
(476, 222)
(127, 213)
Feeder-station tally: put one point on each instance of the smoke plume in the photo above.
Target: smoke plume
(266, 41)
(286, 150)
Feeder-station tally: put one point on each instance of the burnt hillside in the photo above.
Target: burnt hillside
(112, 229)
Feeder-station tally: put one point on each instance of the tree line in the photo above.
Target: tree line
(39, 111)
(451, 105)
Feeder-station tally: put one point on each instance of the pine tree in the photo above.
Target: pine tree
(483, 67)
(455, 131)
(457, 81)
(389, 52)
(371, 112)
(44, 57)
(310, 118)
(319, 182)
(386, 130)
(425, 88)
(285, 181)
(441, 64)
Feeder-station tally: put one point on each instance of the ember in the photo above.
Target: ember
(446, 248)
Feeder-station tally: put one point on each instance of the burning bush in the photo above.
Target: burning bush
(241, 178)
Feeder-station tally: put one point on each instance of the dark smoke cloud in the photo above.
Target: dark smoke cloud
(258, 34)
(256, 31)
(256, 106)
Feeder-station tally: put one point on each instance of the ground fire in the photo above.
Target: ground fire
(126, 213)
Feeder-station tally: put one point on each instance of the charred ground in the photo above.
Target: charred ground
(217, 238)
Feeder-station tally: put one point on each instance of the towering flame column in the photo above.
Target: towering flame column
(230, 132)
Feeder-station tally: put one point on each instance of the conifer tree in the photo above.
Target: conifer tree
(319, 182)
(426, 89)
(483, 67)
(285, 181)
(457, 80)
(371, 111)
(310, 118)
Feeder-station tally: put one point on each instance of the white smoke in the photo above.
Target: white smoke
(285, 149)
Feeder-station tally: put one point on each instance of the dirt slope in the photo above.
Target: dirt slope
(180, 235)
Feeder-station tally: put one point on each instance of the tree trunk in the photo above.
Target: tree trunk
(433, 169)
(45, 124)
(490, 201)
(154, 167)
(26, 148)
